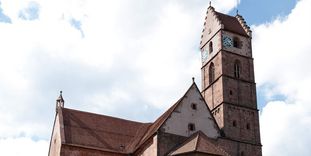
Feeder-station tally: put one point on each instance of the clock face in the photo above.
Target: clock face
(227, 41)
(204, 55)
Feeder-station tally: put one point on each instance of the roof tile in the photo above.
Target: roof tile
(231, 23)
(199, 142)
(100, 131)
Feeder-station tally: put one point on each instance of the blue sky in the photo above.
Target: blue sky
(134, 59)
(258, 12)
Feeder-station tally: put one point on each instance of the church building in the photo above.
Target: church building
(221, 119)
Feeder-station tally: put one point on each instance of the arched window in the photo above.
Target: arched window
(237, 69)
(211, 73)
(210, 47)
(236, 42)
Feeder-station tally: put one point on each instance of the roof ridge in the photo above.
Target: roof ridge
(134, 141)
(97, 114)
(195, 136)
(208, 139)
(223, 20)
(197, 140)
(244, 24)
(159, 122)
(107, 132)
(153, 127)
(213, 12)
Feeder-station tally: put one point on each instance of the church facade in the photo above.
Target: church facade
(220, 120)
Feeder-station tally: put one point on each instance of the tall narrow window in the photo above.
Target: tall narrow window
(248, 126)
(237, 69)
(211, 47)
(211, 73)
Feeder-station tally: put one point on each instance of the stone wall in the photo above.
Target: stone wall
(245, 44)
(184, 115)
(237, 148)
(151, 149)
(167, 142)
(55, 142)
(246, 127)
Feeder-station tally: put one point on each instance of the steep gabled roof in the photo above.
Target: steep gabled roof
(215, 21)
(231, 23)
(164, 117)
(159, 122)
(199, 142)
(101, 132)
(108, 133)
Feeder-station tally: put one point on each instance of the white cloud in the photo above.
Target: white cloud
(138, 55)
(282, 52)
(23, 146)
(285, 127)
(225, 5)
(124, 55)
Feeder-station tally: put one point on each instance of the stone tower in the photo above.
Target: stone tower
(228, 83)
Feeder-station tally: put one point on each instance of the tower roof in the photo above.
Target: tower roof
(231, 23)
(215, 21)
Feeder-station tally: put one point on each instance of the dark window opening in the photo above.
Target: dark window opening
(234, 123)
(237, 69)
(248, 126)
(211, 73)
(191, 127)
(222, 133)
(211, 47)
(230, 92)
(194, 106)
(242, 153)
(236, 42)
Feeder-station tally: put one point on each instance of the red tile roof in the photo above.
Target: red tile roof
(231, 23)
(199, 142)
(100, 131)
(157, 124)
(109, 133)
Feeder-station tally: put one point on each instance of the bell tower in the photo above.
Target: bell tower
(228, 84)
